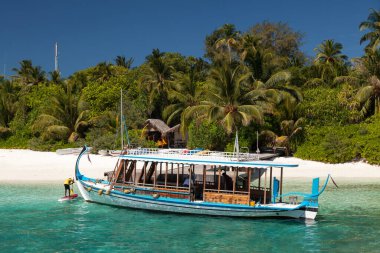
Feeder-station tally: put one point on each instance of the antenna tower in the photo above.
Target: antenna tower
(56, 57)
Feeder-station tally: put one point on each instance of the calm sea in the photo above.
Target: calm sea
(32, 220)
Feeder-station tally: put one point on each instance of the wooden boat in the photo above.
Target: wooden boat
(69, 151)
(199, 182)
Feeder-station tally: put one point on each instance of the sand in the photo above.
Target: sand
(33, 166)
(27, 165)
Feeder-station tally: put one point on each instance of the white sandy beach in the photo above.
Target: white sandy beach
(27, 165)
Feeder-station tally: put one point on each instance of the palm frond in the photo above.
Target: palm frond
(56, 132)
(43, 121)
(364, 94)
(282, 76)
(347, 79)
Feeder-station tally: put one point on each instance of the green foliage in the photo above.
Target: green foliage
(105, 97)
(207, 135)
(256, 80)
(137, 139)
(5, 132)
(337, 144)
(56, 132)
(242, 143)
(99, 139)
(14, 141)
(280, 39)
(320, 106)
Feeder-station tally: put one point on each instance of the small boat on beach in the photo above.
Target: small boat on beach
(199, 182)
(69, 151)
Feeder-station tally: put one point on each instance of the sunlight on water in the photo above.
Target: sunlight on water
(32, 220)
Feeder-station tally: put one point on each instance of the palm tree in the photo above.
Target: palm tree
(330, 60)
(221, 42)
(159, 70)
(28, 74)
(55, 77)
(184, 93)
(229, 41)
(252, 55)
(226, 102)
(373, 25)
(291, 132)
(369, 97)
(66, 115)
(8, 102)
(159, 73)
(278, 92)
(103, 71)
(37, 76)
(24, 71)
(123, 62)
(366, 73)
(329, 52)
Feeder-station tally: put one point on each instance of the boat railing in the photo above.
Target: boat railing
(226, 191)
(191, 154)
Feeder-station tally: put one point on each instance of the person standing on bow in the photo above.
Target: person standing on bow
(67, 184)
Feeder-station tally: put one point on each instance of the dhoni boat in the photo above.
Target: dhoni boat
(199, 182)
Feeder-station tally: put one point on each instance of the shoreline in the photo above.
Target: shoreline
(27, 166)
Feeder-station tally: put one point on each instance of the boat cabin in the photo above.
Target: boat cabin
(197, 177)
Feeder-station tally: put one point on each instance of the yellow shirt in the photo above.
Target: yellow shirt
(68, 181)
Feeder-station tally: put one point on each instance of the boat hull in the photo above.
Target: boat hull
(97, 193)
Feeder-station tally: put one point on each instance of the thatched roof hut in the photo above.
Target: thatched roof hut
(173, 129)
(156, 125)
(156, 130)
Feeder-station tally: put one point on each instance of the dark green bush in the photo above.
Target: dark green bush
(337, 144)
(321, 106)
(207, 135)
(5, 132)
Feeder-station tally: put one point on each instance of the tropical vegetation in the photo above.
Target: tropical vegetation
(258, 82)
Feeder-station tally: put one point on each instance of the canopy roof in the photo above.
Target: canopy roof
(204, 160)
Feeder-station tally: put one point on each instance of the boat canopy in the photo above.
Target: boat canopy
(201, 157)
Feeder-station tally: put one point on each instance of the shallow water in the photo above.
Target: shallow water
(32, 220)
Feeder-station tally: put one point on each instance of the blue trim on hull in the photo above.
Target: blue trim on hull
(168, 201)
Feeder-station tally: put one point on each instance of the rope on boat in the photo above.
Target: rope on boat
(332, 180)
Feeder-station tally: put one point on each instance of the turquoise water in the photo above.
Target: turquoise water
(32, 220)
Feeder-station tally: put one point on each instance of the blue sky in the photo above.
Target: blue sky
(92, 31)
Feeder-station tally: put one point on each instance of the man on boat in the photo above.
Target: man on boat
(67, 184)
(226, 181)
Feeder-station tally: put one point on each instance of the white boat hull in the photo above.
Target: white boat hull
(117, 198)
